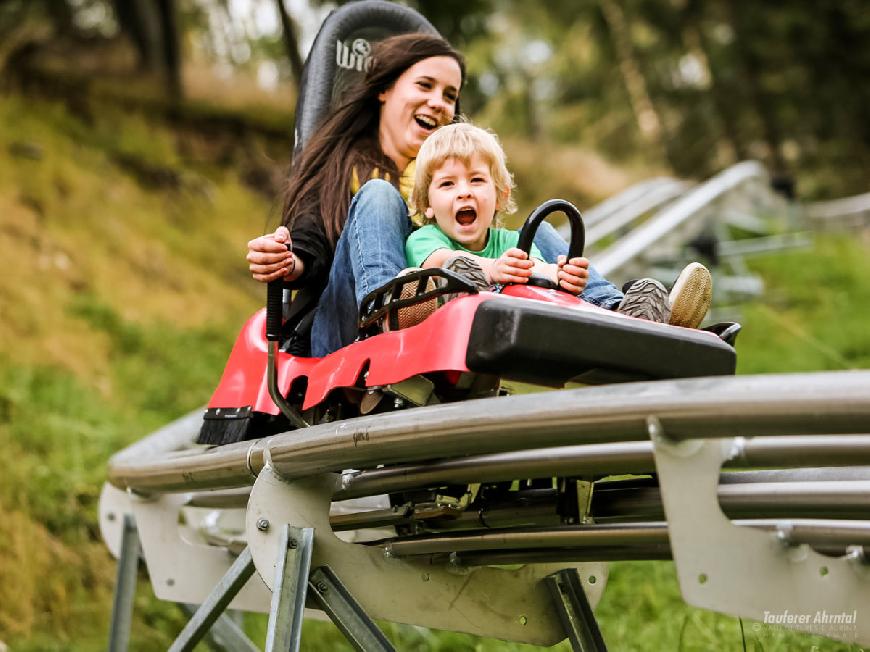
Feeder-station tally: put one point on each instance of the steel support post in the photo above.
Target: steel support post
(574, 611)
(213, 606)
(347, 614)
(291, 585)
(225, 634)
(125, 587)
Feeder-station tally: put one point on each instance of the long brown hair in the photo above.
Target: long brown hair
(348, 139)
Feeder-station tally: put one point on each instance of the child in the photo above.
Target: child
(462, 182)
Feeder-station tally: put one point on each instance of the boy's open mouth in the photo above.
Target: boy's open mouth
(466, 216)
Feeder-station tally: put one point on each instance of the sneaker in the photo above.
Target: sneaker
(691, 295)
(646, 298)
(470, 269)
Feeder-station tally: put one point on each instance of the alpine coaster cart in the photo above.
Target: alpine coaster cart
(398, 479)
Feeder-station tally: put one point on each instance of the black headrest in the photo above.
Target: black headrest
(340, 54)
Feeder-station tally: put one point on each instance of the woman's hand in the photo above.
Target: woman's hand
(573, 274)
(513, 266)
(270, 256)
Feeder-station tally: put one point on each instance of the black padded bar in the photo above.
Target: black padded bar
(274, 301)
(536, 342)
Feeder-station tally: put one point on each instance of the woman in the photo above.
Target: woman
(341, 241)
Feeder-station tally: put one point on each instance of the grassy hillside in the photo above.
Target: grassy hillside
(122, 288)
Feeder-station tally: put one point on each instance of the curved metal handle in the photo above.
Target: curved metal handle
(274, 321)
(578, 231)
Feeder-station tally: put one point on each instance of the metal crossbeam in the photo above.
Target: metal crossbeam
(575, 612)
(347, 614)
(213, 606)
(291, 583)
(225, 634)
(125, 587)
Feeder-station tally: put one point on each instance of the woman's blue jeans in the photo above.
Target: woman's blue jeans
(371, 251)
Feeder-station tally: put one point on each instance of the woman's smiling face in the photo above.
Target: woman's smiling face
(422, 99)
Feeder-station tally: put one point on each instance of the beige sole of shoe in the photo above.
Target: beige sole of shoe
(690, 297)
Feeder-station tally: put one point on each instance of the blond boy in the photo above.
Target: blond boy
(461, 184)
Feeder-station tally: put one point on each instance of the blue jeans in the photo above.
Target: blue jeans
(371, 251)
(598, 291)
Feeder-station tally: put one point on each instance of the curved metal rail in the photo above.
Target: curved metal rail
(616, 213)
(775, 405)
(675, 216)
(629, 199)
(852, 210)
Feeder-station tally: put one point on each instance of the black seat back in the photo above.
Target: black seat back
(341, 54)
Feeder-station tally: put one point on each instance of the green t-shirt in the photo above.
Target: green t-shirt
(427, 239)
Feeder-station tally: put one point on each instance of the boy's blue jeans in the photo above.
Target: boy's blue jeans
(371, 251)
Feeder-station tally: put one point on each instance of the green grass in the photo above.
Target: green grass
(119, 303)
(815, 312)
(118, 310)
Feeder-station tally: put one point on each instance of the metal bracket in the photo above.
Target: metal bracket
(347, 614)
(417, 390)
(574, 611)
(225, 633)
(292, 583)
(114, 505)
(509, 603)
(213, 606)
(745, 572)
(181, 569)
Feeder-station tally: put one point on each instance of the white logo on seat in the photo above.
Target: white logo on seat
(355, 57)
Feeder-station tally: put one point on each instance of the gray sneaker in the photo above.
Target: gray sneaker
(470, 269)
(646, 298)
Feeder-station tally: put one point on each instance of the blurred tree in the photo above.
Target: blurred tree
(649, 121)
(459, 21)
(290, 36)
(26, 26)
(138, 22)
(153, 29)
(696, 41)
(170, 47)
(748, 25)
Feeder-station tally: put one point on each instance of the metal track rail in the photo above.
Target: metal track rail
(642, 534)
(848, 209)
(611, 260)
(598, 459)
(772, 405)
(616, 213)
(630, 198)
